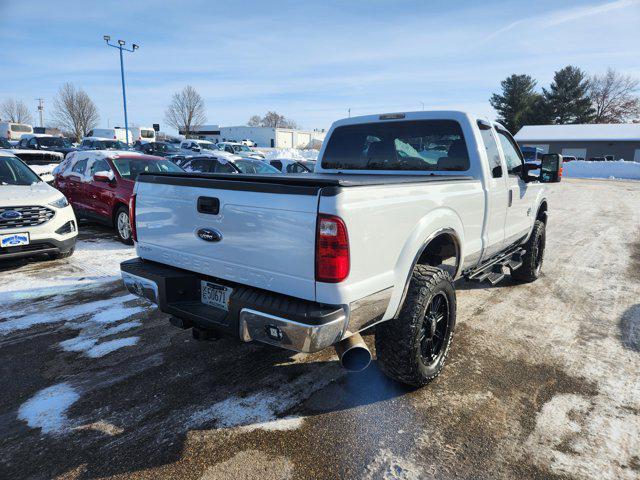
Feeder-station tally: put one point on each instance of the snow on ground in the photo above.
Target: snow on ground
(612, 170)
(93, 320)
(47, 408)
(293, 153)
(262, 410)
(94, 261)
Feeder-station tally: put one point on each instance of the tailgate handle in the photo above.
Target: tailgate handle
(209, 205)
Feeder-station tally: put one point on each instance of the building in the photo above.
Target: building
(203, 132)
(620, 141)
(262, 136)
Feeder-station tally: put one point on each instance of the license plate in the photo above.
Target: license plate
(14, 240)
(215, 295)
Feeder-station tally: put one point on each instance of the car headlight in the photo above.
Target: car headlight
(60, 202)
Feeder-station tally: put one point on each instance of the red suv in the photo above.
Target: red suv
(99, 183)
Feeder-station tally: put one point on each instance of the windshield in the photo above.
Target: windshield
(110, 145)
(147, 133)
(54, 142)
(14, 172)
(130, 168)
(241, 148)
(424, 145)
(255, 166)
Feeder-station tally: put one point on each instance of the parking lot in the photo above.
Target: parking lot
(542, 381)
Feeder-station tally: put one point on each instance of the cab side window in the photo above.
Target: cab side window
(80, 167)
(295, 168)
(223, 167)
(277, 164)
(511, 154)
(495, 165)
(99, 166)
(200, 165)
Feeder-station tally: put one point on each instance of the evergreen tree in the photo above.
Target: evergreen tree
(515, 103)
(568, 97)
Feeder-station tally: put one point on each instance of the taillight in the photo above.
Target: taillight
(132, 217)
(332, 249)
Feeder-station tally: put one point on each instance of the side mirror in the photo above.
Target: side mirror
(551, 168)
(495, 173)
(106, 177)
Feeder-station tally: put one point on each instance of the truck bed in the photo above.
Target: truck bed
(301, 184)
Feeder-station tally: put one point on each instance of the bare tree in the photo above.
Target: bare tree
(13, 110)
(273, 120)
(74, 111)
(614, 98)
(186, 111)
(255, 121)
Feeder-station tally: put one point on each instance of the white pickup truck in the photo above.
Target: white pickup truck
(399, 206)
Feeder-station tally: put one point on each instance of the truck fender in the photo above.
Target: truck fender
(437, 222)
(539, 211)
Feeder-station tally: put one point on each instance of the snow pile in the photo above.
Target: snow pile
(292, 153)
(47, 408)
(616, 169)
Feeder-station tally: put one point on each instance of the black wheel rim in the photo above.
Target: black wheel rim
(435, 328)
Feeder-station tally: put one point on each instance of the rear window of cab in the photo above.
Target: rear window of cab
(418, 145)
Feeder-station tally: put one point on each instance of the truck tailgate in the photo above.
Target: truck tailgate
(267, 234)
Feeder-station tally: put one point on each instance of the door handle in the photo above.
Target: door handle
(510, 197)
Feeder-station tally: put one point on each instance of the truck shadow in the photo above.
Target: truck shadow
(630, 328)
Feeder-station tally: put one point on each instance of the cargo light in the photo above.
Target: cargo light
(332, 250)
(132, 217)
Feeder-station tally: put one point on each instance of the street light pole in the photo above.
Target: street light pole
(121, 47)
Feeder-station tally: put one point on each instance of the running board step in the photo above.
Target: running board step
(493, 271)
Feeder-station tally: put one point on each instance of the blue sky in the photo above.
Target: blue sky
(310, 61)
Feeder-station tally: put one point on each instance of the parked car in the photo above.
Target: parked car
(216, 163)
(100, 143)
(198, 145)
(14, 131)
(288, 165)
(42, 162)
(305, 262)
(568, 158)
(98, 184)
(248, 143)
(35, 218)
(239, 149)
(46, 142)
(161, 149)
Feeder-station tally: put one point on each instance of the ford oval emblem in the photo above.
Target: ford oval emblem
(209, 235)
(10, 215)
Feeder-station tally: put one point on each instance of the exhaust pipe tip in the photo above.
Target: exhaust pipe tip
(353, 353)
